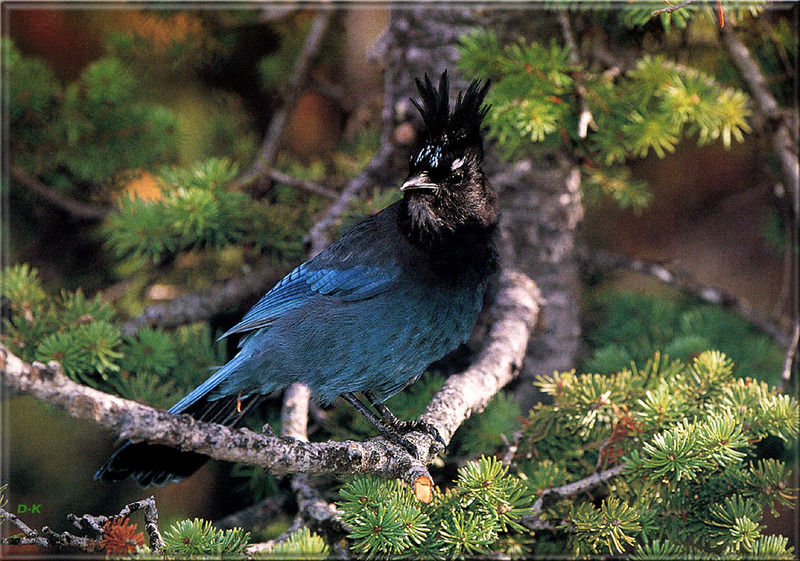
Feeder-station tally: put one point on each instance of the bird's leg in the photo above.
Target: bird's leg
(389, 431)
(404, 427)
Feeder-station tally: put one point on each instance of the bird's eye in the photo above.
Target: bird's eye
(457, 164)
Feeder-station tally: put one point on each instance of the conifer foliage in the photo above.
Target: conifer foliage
(541, 95)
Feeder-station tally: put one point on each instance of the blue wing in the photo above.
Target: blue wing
(307, 281)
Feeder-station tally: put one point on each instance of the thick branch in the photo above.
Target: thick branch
(74, 207)
(294, 413)
(291, 95)
(136, 422)
(515, 310)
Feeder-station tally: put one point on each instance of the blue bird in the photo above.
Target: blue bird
(368, 315)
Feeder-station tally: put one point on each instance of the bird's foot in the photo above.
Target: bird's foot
(405, 427)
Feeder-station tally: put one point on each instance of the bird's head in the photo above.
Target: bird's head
(446, 189)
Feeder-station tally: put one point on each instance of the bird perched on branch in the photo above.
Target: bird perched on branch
(368, 315)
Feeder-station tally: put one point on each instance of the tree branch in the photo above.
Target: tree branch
(148, 505)
(30, 536)
(204, 304)
(46, 538)
(586, 117)
(604, 261)
(318, 235)
(784, 135)
(310, 186)
(74, 207)
(136, 422)
(291, 95)
(516, 308)
(515, 312)
(549, 496)
(207, 303)
(675, 8)
(788, 362)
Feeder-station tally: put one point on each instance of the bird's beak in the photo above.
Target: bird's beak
(419, 183)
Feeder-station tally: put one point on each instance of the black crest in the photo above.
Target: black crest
(462, 127)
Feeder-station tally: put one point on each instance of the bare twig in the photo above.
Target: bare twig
(513, 446)
(46, 538)
(254, 515)
(605, 261)
(318, 235)
(784, 135)
(204, 304)
(791, 352)
(291, 95)
(74, 207)
(31, 536)
(310, 186)
(148, 505)
(585, 118)
(549, 496)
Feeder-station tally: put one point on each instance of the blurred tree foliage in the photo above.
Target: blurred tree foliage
(626, 326)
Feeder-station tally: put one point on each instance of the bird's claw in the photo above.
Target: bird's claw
(405, 427)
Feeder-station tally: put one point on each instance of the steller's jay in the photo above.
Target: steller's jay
(394, 294)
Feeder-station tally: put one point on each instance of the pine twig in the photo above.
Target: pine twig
(73, 207)
(148, 505)
(291, 95)
(675, 8)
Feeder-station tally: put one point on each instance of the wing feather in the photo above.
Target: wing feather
(307, 282)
